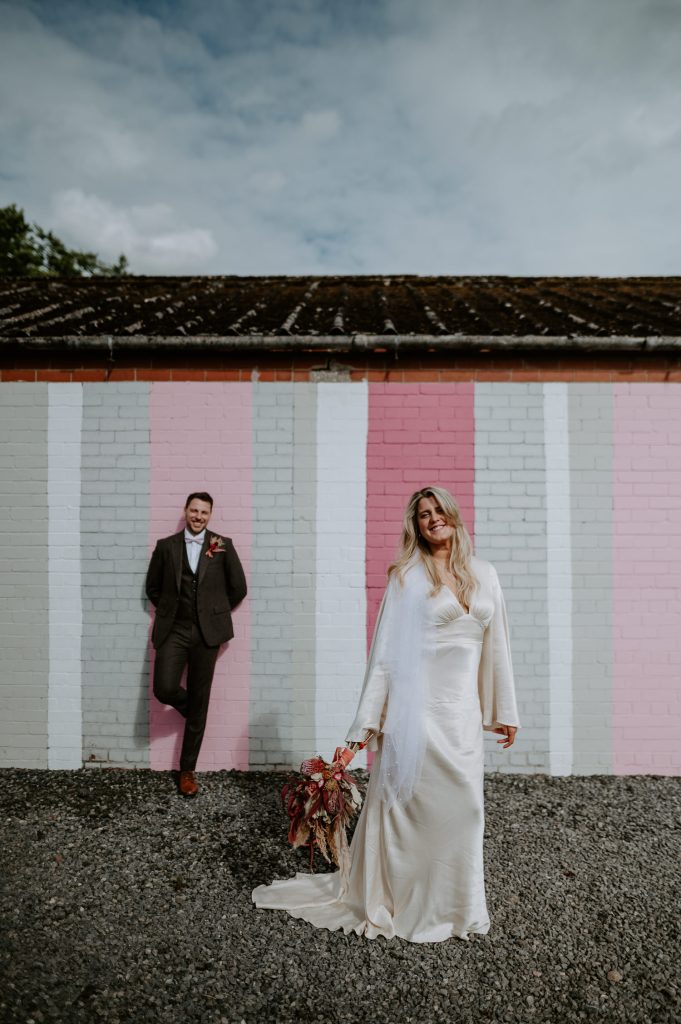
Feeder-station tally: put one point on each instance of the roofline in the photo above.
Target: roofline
(110, 344)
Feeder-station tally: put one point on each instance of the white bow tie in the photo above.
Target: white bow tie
(194, 540)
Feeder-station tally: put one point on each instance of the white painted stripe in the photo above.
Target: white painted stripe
(340, 614)
(559, 576)
(64, 712)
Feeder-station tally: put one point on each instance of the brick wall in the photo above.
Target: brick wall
(340, 614)
(24, 587)
(646, 558)
(570, 488)
(591, 497)
(65, 611)
(272, 594)
(201, 440)
(114, 516)
(510, 511)
(379, 366)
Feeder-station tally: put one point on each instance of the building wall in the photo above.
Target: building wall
(114, 527)
(24, 586)
(511, 531)
(572, 489)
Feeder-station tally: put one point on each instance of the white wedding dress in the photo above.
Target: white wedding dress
(417, 869)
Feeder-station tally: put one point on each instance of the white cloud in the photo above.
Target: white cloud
(320, 125)
(146, 234)
(268, 181)
(305, 137)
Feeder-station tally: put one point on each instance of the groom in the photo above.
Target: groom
(194, 581)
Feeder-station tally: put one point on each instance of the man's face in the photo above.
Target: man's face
(197, 515)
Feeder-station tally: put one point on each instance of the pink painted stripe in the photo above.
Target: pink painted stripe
(647, 579)
(201, 440)
(419, 434)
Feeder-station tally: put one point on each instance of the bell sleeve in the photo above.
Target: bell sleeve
(371, 709)
(496, 687)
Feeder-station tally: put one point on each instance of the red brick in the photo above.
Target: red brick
(157, 374)
(185, 374)
(122, 374)
(590, 375)
(528, 375)
(489, 375)
(427, 376)
(558, 374)
(639, 376)
(368, 375)
(83, 376)
(447, 376)
(53, 375)
(18, 375)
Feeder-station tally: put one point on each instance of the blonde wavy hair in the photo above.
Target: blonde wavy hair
(412, 542)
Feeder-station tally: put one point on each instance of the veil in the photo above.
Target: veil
(403, 639)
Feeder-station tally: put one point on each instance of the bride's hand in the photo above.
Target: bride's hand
(508, 732)
(344, 755)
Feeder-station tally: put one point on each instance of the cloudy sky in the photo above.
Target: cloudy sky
(348, 136)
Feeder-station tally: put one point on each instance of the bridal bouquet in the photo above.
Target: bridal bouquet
(321, 802)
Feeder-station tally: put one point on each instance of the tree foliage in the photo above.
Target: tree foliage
(26, 250)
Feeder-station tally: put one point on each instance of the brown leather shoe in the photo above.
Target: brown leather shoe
(188, 785)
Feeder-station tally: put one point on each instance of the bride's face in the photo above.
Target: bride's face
(432, 522)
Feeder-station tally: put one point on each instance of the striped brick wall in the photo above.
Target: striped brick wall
(591, 518)
(646, 592)
(114, 523)
(201, 441)
(303, 639)
(272, 592)
(24, 586)
(65, 602)
(511, 532)
(340, 618)
(572, 489)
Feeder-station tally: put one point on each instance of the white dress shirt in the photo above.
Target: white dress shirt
(194, 543)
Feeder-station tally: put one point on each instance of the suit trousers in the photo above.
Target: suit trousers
(184, 647)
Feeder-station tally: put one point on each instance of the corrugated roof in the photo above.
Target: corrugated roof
(290, 307)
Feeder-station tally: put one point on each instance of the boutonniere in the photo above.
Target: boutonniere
(215, 547)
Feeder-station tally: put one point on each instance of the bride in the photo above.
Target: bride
(439, 673)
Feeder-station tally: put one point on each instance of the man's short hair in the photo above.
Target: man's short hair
(200, 496)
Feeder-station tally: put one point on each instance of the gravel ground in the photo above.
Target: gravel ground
(122, 902)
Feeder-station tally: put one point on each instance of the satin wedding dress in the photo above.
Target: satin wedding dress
(416, 870)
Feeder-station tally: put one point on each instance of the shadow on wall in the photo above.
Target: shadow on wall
(145, 694)
(167, 721)
(130, 729)
(141, 722)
